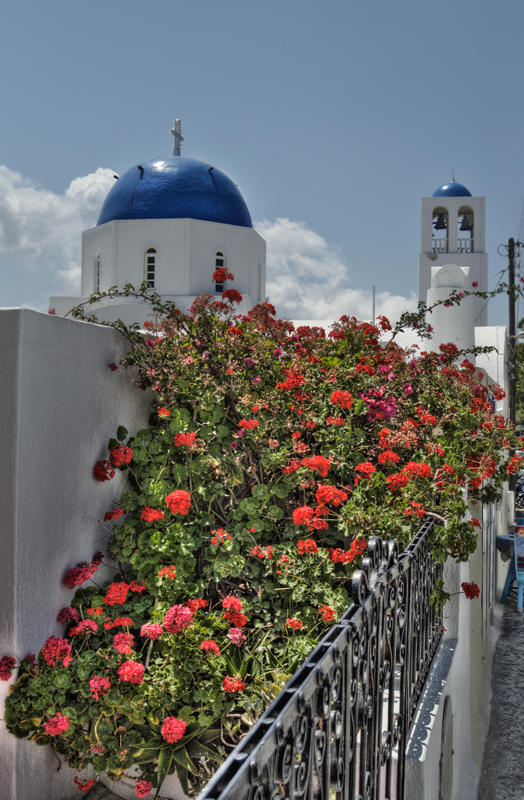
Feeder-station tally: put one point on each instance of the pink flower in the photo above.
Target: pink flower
(249, 362)
(123, 642)
(131, 671)
(57, 725)
(51, 311)
(277, 351)
(256, 380)
(143, 788)
(173, 729)
(408, 389)
(236, 636)
(99, 686)
(177, 618)
(112, 366)
(151, 631)
(475, 284)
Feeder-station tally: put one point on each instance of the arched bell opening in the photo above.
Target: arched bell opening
(465, 238)
(440, 227)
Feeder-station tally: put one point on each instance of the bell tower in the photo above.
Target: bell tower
(452, 232)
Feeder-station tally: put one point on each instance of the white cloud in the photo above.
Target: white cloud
(308, 280)
(44, 228)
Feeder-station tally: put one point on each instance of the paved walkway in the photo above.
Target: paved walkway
(502, 775)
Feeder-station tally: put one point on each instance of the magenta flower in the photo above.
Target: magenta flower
(249, 362)
(112, 366)
(408, 389)
(475, 284)
(52, 311)
(461, 295)
(256, 380)
(277, 351)
(236, 636)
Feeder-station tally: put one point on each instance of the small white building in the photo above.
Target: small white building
(170, 221)
(452, 232)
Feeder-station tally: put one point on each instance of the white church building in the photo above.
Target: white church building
(170, 221)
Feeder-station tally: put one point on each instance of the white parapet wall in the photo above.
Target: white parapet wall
(60, 405)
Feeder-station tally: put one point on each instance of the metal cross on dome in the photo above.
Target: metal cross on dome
(176, 131)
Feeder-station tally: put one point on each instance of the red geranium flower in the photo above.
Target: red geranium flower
(307, 546)
(116, 594)
(57, 725)
(169, 572)
(151, 514)
(163, 412)
(99, 686)
(103, 471)
(120, 455)
(233, 684)
(319, 463)
(179, 502)
(86, 626)
(151, 631)
(233, 603)
(296, 624)
(123, 642)
(232, 295)
(173, 729)
(7, 665)
(184, 439)
(211, 645)
(471, 590)
(57, 649)
(302, 515)
(177, 618)
(327, 613)
(143, 788)
(131, 671)
(342, 398)
(84, 786)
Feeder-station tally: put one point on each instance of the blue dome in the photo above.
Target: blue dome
(452, 189)
(176, 188)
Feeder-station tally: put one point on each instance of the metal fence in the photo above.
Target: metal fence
(339, 729)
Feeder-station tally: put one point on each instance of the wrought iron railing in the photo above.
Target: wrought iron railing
(339, 728)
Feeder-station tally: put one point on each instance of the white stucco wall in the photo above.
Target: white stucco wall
(185, 262)
(60, 404)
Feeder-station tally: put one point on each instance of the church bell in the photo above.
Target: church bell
(465, 225)
(440, 224)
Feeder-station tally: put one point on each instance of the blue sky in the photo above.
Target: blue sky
(335, 116)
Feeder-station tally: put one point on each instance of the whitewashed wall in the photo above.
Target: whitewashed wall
(60, 404)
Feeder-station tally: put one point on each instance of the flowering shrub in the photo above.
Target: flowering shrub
(272, 458)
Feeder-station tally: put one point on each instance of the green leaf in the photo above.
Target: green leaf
(164, 762)
(197, 750)
(121, 433)
(182, 758)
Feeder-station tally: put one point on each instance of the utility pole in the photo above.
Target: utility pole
(512, 334)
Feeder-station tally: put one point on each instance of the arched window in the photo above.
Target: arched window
(441, 230)
(97, 272)
(150, 267)
(465, 230)
(220, 261)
